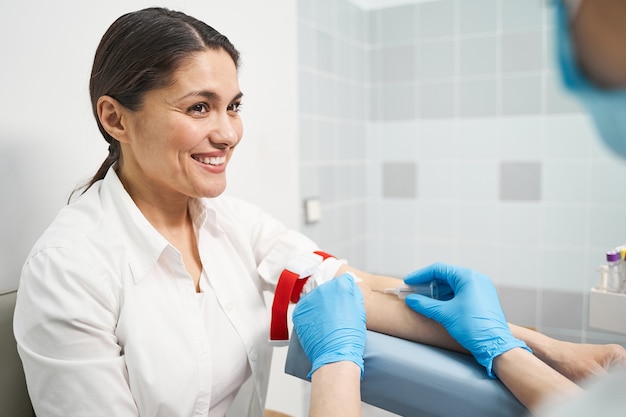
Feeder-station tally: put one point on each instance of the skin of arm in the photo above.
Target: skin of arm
(335, 390)
(530, 380)
(390, 315)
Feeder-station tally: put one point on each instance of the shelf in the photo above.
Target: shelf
(607, 311)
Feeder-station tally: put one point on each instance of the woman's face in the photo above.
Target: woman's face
(182, 137)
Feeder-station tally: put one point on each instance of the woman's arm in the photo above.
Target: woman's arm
(330, 324)
(531, 381)
(336, 390)
(390, 315)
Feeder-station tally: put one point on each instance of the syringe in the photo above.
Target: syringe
(430, 290)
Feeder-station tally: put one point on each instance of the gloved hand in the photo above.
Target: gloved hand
(473, 317)
(330, 323)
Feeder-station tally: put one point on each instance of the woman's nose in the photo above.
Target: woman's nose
(226, 130)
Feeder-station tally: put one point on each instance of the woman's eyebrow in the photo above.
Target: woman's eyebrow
(209, 95)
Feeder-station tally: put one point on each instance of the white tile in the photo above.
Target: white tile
(518, 266)
(478, 138)
(607, 182)
(564, 225)
(565, 181)
(567, 136)
(519, 223)
(563, 270)
(521, 137)
(438, 139)
(438, 220)
(607, 225)
(477, 180)
(479, 222)
(438, 180)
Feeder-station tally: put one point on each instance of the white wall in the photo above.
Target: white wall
(49, 141)
(48, 138)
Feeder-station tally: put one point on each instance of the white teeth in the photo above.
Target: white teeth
(213, 160)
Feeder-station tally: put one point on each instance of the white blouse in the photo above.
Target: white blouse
(108, 322)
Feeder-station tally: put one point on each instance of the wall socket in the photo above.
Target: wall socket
(312, 210)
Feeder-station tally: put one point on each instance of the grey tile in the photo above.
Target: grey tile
(343, 57)
(307, 92)
(562, 310)
(435, 59)
(521, 95)
(348, 18)
(477, 56)
(306, 10)
(324, 52)
(398, 102)
(436, 19)
(436, 100)
(519, 305)
(397, 24)
(375, 62)
(324, 14)
(520, 181)
(477, 98)
(398, 63)
(558, 100)
(375, 107)
(477, 16)
(521, 15)
(522, 52)
(399, 180)
(307, 38)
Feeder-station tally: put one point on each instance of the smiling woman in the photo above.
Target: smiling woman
(146, 295)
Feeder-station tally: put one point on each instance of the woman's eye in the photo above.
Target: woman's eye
(199, 108)
(236, 107)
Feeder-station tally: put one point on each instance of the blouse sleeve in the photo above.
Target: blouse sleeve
(274, 246)
(64, 323)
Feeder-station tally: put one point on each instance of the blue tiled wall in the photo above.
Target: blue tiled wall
(508, 176)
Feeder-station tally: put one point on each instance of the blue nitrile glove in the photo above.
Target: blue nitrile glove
(473, 317)
(330, 323)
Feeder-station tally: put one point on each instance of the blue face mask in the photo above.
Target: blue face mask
(606, 107)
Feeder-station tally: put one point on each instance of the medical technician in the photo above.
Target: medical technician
(144, 297)
(591, 45)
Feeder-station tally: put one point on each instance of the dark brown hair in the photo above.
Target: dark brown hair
(140, 52)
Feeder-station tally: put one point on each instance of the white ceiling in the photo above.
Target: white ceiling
(381, 4)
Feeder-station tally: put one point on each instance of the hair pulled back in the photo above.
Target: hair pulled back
(140, 52)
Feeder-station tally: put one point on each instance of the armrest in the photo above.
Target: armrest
(410, 378)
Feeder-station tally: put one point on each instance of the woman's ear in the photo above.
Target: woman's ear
(113, 117)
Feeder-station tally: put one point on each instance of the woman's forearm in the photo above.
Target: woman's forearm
(336, 390)
(530, 380)
(390, 315)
